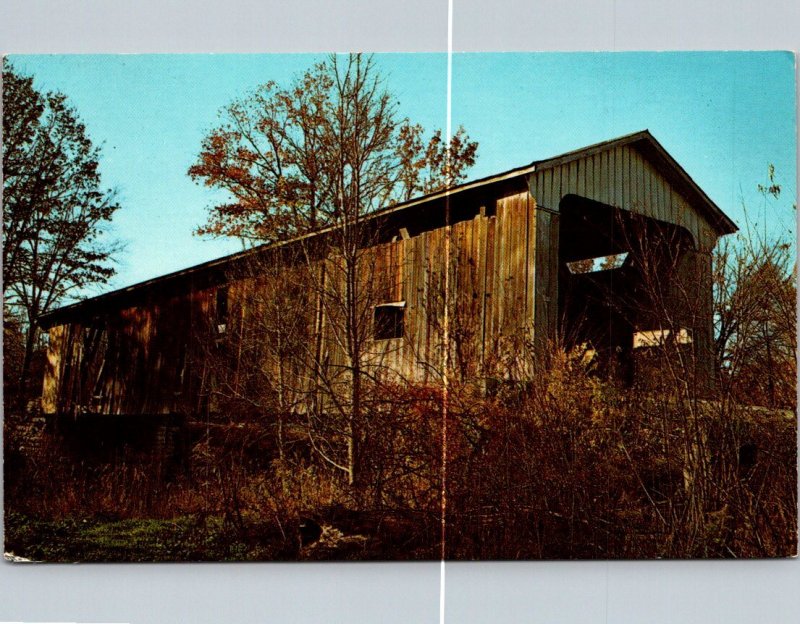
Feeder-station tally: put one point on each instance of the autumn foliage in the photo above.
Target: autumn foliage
(298, 457)
(324, 148)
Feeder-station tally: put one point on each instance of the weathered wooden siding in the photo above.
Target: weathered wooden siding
(621, 177)
(502, 269)
(136, 360)
(56, 354)
(546, 279)
(491, 295)
(159, 356)
(693, 308)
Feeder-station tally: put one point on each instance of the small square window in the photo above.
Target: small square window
(222, 310)
(389, 320)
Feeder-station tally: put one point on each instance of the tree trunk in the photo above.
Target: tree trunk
(24, 378)
(282, 409)
(354, 348)
(353, 430)
(770, 376)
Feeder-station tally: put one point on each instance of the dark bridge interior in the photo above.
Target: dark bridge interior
(603, 298)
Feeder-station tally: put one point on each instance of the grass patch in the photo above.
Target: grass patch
(184, 538)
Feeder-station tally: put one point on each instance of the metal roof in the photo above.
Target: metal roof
(642, 140)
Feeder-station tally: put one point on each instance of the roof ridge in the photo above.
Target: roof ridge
(719, 218)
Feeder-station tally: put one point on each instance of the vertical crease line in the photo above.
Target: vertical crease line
(446, 319)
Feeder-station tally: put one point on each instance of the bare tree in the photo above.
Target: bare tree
(755, 314)
(294, 158)
(328, 150)
(54, 208)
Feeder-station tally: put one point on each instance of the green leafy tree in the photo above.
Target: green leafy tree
(54, 208)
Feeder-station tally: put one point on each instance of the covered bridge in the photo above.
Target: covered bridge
(562, 249)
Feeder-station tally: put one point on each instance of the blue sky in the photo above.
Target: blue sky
(723, 116)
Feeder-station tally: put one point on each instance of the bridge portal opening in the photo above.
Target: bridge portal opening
(614, 265)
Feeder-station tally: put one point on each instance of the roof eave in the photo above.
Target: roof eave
(718, 219)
